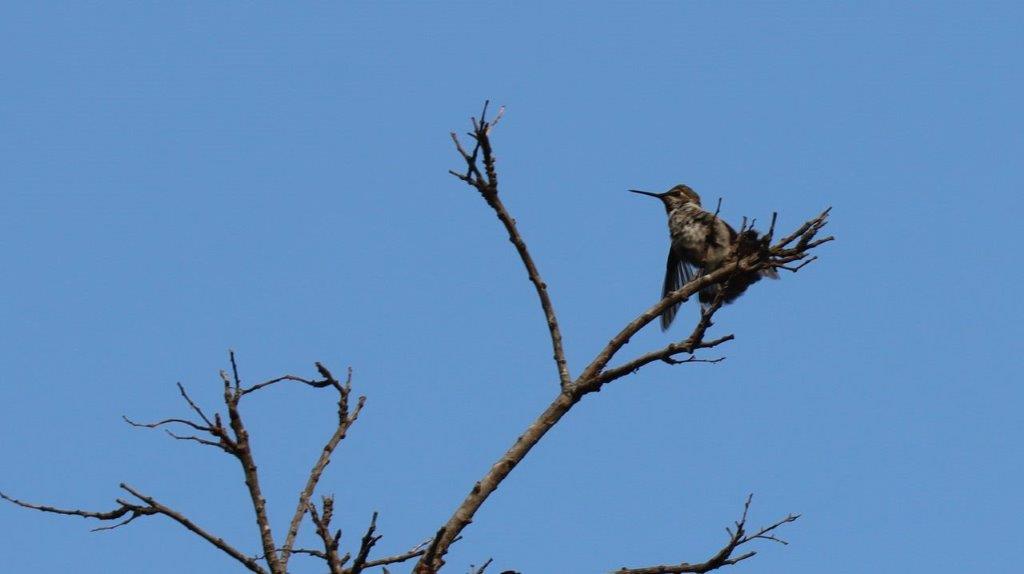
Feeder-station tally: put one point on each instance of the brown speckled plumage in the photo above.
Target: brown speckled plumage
(701, 243)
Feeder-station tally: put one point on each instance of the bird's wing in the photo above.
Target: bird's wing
(678, 272)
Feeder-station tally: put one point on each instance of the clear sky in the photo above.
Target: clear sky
(180, 179)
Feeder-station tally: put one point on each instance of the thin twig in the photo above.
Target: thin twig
(482, 567)
(312, 383)
(815, 223)
(724, 557)
(365, 545)
(330, 541)
(798, 267)
(199, 440)
(689, 345)
(185, 422)
(193, 406)
(214, 429)
(419, 550)
(118, 512)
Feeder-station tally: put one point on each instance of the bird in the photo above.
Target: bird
(701, 243)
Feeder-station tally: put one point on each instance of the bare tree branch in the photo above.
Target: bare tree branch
(689, 345)
(193, 406)
(345, 421)
(157, 424)
(809, 229)
(233, 393)
(201, 441)
(751, 255)
(428, 562)
(134, 511)
(181, 519)
(330, 541)
(365, 545)
(309, 552)
(595, 375)
(418, 550)
(724, 557)
(313, 383)
(234, 440)
(215, 430)
(488, 188)
(121, 510)
(482, 567)
(665, 355)
(587, 382)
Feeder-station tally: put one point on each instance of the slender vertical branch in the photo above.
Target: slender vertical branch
(365, 545)
(487, 185)
(243, 452)
(330, 541)
(345, 421)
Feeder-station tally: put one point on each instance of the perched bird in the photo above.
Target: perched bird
(701, 243)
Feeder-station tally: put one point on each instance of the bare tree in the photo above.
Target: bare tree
(790, 253)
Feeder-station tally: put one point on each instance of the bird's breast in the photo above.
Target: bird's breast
(686, 228)
(698, 237)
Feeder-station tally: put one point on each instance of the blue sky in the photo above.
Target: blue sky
(182, 179)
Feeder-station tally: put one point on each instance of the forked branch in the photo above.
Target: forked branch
(726, 555)
(754, 254)
(345, 421)
(597, 373)
(233, 439)
(151, 507)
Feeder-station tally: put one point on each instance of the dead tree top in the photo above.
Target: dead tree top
(227, 431)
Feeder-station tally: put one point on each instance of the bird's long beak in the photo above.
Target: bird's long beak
(658, 195)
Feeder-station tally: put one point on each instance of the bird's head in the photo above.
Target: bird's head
(676, 197)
